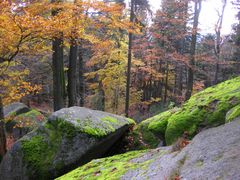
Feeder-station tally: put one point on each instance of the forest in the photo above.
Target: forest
(121, 57)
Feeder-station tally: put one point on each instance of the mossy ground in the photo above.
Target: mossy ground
(203, 110)
(107, 168)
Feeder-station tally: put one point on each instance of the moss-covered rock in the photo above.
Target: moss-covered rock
(203, 110)
(20, 125)
(94, 123)
(15, 109)
(70, 137)
(28, 121)
(114, 167)
(150, 132)
(208, 156)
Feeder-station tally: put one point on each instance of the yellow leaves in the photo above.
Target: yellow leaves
(12, 85)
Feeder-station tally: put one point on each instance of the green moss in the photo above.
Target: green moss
(39, 151)
(158, 124)
(143, 138)
(150, 132)
(110, 119)
(107, 168)
(233, 113)
(205, 109)
(112, 167)
(34, 150)
(88, 127)
(67, 128)
(131, 121)
(37, 154)
(95, 131)
(108, 126)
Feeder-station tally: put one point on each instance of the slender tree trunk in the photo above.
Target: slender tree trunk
(72, 76)
(166, 85)
(129, 63)
(216, 72)
(198, 6)
(2, 132)
(101, 97)
(180, 87)
(218, 41)
(81, 77)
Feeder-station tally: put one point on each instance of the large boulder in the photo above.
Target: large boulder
(203, 110)
(71, 137)
(213, 154)
(15, 109)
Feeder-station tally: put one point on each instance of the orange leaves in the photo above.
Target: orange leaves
(13, 87)
(79, 20)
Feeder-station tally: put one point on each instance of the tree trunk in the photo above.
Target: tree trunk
(180, 86)
(166, 85)
(216, 72)
(72, 76)
(2, 132)
(81, 77)
(129, 62)
(101, 97)
(198, 6)
(58, 74)
(58, 69)
(218, 41)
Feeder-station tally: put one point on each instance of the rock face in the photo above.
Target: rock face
(15, 109)
(205, 109)
(70, 137)
(213, 154)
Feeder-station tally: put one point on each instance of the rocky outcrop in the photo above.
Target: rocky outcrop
(19, 120)
(213, 154)
(71, 137)
(18, 126)
(15, 109)
(205, 109)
